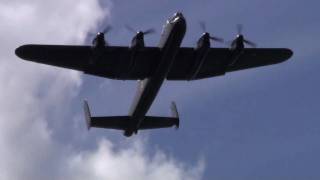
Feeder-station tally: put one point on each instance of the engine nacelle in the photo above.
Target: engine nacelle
(99, 41)
(98, 45)
(203, 42)
(138, 40)
(203, 46)
(237, 47)
(238, 43)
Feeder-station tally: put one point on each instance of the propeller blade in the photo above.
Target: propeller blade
(216, 39)
(91, 34)
(106, 29)
(131, 29)
(202, 26)
(239, 28)
(149, 31)
(241, 37)
(250, 43)
(228, 43)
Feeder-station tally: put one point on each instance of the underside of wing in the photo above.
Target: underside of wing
(113, 62)
(256, 57)
(123, 63)
(218, 61)
(186, 66)
(72, 57)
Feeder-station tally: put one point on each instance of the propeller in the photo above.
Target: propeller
(240, 35)
(107, 29)
(148, 31)
(213, 38)
(239, 28)
(99, 38)
(104, 31)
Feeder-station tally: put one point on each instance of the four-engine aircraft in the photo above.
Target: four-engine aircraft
(151, 66)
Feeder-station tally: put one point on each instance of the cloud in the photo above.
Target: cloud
(30, 93)
(129, 163)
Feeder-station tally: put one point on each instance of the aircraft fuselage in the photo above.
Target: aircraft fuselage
(148, 88)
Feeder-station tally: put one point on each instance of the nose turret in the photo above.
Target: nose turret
(178, 14)
(178, 18)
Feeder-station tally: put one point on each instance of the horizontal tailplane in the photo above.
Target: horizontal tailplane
(130, 125)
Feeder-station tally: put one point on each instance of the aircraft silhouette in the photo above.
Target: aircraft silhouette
(151, 66)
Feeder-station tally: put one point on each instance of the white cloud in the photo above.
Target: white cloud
(29, 91)
(129, 163)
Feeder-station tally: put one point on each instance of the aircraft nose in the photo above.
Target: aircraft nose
(178, 14)
(178, 18)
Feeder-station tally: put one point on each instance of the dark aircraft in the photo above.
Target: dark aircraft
(151, 66)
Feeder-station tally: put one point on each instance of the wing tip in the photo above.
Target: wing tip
(30, 52)
(20, 51)
(285, 54)
(288, 53)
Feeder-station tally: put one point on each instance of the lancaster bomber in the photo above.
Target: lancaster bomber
(151, 66)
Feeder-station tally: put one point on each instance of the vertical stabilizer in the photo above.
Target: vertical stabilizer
(87, 114)
(175, 114)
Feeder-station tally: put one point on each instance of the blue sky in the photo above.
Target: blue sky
(260, 123)
(256, 124)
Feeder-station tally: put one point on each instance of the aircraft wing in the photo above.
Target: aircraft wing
(217, 62)
(114, 62)
(122, 63)
(72, 57)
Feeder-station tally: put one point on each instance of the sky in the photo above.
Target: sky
(255, 124)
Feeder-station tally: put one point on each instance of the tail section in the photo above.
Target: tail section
(129, 125)
(175, 114)
(87, 114)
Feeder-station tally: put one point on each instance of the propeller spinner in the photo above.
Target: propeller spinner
(213, 38)
(138, 39)
(240, 38)
(99, 40)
